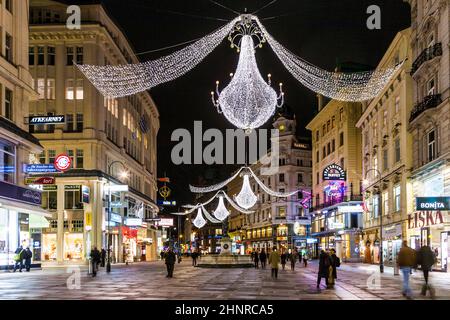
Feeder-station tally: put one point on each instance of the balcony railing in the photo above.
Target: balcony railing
(337, 200)
(426, 55)
(429, 102)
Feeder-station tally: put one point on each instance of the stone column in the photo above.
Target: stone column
(60, 230)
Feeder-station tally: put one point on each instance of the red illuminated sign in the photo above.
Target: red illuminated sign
(63, 162)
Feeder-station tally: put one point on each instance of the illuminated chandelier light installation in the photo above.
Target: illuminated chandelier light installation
(123, 80)
(246, 198)
(247, 101)
(221, 213)
(199, 221)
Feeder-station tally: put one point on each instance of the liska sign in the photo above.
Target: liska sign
(421, 219)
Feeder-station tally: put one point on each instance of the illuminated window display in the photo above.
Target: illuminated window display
(49, 247)
(73, 246)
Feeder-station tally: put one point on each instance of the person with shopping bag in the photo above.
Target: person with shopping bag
(426, 259)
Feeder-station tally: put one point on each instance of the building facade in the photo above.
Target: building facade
(387, 157)
(102, 137)
(277, 222)
(336, 179)
(20, 210)
(429, 125)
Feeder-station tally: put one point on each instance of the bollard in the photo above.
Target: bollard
(89, 266)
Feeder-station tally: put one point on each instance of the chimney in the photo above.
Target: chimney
(319, 101)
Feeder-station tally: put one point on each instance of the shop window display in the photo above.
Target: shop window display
(49, 247)
(73, 246)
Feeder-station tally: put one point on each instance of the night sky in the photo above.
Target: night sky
(324, 32)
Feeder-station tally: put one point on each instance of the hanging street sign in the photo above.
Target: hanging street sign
(39, 180)
(63, 162)
(334, 172)
(36, 120)
(432, 203)
(167, 203)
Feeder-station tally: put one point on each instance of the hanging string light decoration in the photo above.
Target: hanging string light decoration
(221, 212)
(358, 86)
(123, 80)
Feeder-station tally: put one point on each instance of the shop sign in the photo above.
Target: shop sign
(336, 225)
(39, 180)
(392, 232)
(421, 219)
(118, 204)
(46, 120)
(335, 189)
(63, 162)
(85, 192)
(7, 169)
(432, 203)
(281, 238)
(72, 187)
(49, 187)
(88, 221)
(311, 240)
(165, 222)
(117, 188)
(351, 209)
(115, 217)
(40, 168)
(333, 172)
(167, 203)
(133, 221)
(15, 192)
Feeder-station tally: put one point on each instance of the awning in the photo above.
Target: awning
(23, 207)
(38, 221)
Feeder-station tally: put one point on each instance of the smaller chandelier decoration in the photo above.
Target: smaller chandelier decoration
(246, 198)
(221, 213)
(199, 221)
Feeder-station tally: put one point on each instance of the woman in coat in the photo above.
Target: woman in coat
(334, 262)
(274, 260)
(324, 264)
(263, 258)
(283, 259)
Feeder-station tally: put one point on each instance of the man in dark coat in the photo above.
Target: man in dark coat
(324, 264)
(256, 259)
(103, 255)
(170, 259)
(95, 260)
(426, 259)
(194, 258)
(27, 256)
(263, 258)
(334, 262)
(18, 258)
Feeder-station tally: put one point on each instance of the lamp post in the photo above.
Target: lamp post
(123, 175)
(380, 214)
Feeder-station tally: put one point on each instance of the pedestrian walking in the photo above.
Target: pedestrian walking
(293, 259)
(194, 256)
(256, 259)
(170, 259)
(274, 260)
(406, 260)
(27, 256)
(18, 258)
(179, 256)
(103, 257)
(335, 262)
(263, 258)
(426, 259)
(95, 260)
(161, 254)
(283, 258)
(305, 259)
(324, 264)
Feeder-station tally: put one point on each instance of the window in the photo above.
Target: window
(69, 123)
(328, 125)
(397, 104)
(324, 128)
(80, 158)
(328, 148)
(8, 47)
(70, 56)
(281, 212)
(375, 203)
(317, 156)
(79, 90)
(72, 199)
(333, 120)
(431, 87)
(41, 88)
(317, 135)
(281, 177)
(299, 177)
(51, 89)
(51, 56)
(397, 150)
(397, 200)
(42, 157)
(7, 161)
(431, 143)
(341, 114)
(342, 163)
(333, 145)
(385, 116)
(386, 202)
(341, 139)
(51, 156)
(8, 104)
(324, 152)
(31, 56)
(40, 56)
(70, 94)
(375, 163)
(70, 154)
(79, 122)
(317, 178)
(50, 200)
(79, 55)
(385, 159)
(8, 5)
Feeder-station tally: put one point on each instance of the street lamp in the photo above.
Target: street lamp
(123, 175)
(379, 213)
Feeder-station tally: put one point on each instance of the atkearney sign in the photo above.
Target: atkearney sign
(432, 203)
(334, 172)
(46, 120)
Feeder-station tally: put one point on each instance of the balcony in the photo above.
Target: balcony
(426, 55)
(429, 102)
(336, 201)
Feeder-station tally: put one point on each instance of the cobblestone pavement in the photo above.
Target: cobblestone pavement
(148, 281)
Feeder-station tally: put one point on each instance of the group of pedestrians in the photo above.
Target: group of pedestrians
(97, 258)
(328, 264)
(22, 258)
(292, 257)
(409, 259)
